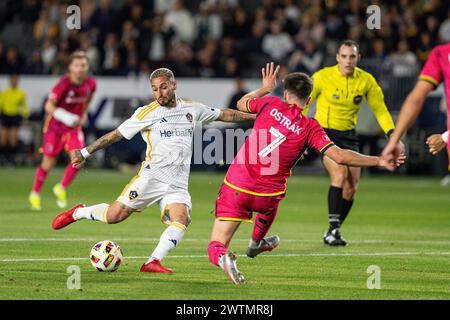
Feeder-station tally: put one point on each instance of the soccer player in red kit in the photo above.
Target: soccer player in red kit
(256, 179)
(435, 71)
(66, 109)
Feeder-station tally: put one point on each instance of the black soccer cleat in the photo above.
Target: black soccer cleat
(334, 238)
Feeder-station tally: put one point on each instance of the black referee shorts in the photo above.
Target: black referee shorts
(10, 121)
(344, 139)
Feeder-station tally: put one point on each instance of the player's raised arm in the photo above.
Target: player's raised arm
(269, 82)
(105, 141)
(355, 159)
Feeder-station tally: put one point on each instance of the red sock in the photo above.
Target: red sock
(39, 179)
(262, 225)
(215, 250)
(69, 175)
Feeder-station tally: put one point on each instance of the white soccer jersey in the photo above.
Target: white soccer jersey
(168, 134)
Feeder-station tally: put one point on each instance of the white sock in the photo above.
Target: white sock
(95, 213)
(169, 240)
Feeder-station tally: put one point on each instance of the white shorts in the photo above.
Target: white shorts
(141, 192)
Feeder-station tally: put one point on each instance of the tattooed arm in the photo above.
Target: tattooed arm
(77, 158)
(230, 115)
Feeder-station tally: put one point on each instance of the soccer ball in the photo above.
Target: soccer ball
(106, 256)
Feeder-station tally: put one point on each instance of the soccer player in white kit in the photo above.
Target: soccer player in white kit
(167, 126)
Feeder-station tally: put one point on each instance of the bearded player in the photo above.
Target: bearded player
(66, 109)
(167, 126)
(256, 179)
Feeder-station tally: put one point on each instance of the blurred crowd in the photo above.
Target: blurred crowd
(216, 38)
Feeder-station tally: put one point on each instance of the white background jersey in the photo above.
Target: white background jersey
(168, 133)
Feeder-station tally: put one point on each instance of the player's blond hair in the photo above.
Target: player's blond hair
(162, 72)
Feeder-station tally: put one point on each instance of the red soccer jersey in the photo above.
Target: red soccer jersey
(71, 97)
(437, 70)
(279, 137)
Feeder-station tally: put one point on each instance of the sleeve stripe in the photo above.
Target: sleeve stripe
(328, 145)
(429, 79)
(143, 114)
(145, 109)
(247, 105)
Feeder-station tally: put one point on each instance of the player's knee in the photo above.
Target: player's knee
(349, 192)
(188, 220)
(338, 180)
(339, 175)
(48, 163)
(181, 216)
(183, 219)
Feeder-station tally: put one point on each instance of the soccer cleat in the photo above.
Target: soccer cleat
(65, 218)
(229, 266)
(35, 201)
(267, 244)
(61, 195)
(155, 266)
(334, 238)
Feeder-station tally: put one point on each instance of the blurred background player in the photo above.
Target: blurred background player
(256, 179)
(166, 125)
(435, 71)
(13, 110)
(66, 109)
(339, 91)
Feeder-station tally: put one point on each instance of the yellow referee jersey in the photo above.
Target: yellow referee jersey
(13, 102)
(339, 99)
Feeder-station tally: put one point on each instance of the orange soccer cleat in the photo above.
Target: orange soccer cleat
(65, 218)
(155, 266)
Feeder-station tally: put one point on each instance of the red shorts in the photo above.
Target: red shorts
(234, 205)
(54, 141)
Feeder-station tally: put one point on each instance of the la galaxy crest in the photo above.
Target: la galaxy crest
(133, 195)
(189, 117)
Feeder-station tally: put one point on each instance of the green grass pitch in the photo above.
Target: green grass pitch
(400, 224)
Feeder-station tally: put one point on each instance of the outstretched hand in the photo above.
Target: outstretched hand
(76, 159)
(391, 163)
(269, 76)
(393, 150)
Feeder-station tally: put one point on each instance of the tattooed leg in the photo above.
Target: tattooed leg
(117, 212)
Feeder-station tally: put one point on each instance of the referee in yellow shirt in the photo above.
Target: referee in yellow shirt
(339, 91)
(13, 109)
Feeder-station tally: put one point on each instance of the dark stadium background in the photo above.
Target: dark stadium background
(217, 39)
